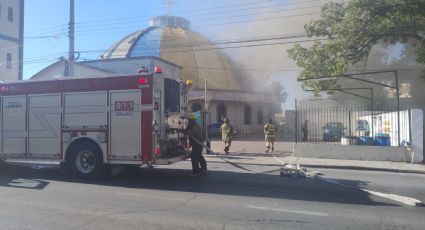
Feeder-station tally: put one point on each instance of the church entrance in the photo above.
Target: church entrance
(221, 113)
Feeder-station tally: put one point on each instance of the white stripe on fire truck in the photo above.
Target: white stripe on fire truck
(146, 107)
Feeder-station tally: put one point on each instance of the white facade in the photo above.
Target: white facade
(247, 111)
(110, 67)
(11, 39)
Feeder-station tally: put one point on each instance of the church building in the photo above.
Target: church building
(188, 55)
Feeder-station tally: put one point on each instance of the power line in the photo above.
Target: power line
(179, 12)
(214, 48)
(221, 12)
(63, 27)
(107, 26)
(81, 33)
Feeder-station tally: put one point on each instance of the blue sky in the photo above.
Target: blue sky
(101, 23)
(46, 26)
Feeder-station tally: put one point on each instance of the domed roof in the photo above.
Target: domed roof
(170, 39)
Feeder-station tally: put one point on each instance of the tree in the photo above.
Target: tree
(346, 33)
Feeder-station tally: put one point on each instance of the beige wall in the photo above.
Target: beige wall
(57, 71)
(131, 65)
(110, 67)
(7, 74)
(8, 28)
(10, 40)
(236, 113)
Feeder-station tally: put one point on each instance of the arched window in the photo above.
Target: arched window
(196, 107)
(9, 61)
(247, 115)
(260, 115)
(221, 113)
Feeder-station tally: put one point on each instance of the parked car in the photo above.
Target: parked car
(214, 130)
(333, 131)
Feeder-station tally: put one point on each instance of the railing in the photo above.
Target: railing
(353, 126)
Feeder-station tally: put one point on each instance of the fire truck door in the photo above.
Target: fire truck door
(44, 125)
(125, 125)
(14, 126)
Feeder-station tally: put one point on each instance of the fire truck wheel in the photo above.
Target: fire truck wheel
(86, 161)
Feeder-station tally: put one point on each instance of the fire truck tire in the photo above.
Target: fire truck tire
(86, 161)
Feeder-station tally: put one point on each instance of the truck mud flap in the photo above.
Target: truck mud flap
(171, 160)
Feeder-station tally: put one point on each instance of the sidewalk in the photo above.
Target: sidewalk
(251, 150)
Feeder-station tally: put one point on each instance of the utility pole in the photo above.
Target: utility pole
(205, 114)
(71, 39)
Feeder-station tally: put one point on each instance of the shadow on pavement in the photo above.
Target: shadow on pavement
(20, 177)
(212, 182)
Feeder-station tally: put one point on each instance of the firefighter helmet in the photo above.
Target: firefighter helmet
(191, 116)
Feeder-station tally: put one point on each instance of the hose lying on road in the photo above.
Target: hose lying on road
(286, 169)
(222, 158)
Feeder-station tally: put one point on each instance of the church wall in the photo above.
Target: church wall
(57, 71)
(235, 111)
(6, 73)
(132, 65)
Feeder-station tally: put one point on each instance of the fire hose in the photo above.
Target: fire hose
(222, 158)
(285, 170)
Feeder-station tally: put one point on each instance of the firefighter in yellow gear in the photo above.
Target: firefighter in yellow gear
(270, 131)
(226, 131)
(194, 131)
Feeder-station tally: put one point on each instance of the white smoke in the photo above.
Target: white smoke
(264, 64)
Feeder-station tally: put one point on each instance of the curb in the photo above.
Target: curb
(348, 167)
(365, 168)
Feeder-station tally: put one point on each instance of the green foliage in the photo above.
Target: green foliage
(346, 32)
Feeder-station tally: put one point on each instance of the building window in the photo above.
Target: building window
(260, 116)
(221, 113)
(247, 115)
(10, 14)
(9, 61)
(196, 107)
(0, 11)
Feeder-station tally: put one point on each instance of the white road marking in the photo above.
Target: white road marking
(150, 196)
(280, 161)
(402, 199)
(288, 211)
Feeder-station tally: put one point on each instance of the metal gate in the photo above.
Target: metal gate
(349, 126)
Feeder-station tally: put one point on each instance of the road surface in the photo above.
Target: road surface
(169, 198)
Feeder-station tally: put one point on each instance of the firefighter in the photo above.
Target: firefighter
(304, 130)
(226, 131)
(194, 131)
(270, 131)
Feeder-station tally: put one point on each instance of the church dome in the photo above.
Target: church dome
(170, 39)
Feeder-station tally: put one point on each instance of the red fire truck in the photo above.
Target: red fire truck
(87, 124)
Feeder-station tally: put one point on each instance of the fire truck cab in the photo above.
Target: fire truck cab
(87, 124)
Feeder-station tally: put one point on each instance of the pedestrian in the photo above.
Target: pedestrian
(194, 131)
(304, 130)
(226, 130)
(270, 131)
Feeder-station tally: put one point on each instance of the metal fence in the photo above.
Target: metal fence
(353, 126)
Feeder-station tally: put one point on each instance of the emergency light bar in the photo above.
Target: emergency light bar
(143, 80)
(158, 70)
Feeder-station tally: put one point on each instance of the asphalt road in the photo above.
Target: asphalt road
(168, 198)
(403, 184)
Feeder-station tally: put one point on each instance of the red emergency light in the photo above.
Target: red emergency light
(158, 70)
(143, 81)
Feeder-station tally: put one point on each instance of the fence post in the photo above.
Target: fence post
(349, 123)
(296, 122)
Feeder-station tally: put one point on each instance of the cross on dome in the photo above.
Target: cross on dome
(169, 4)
